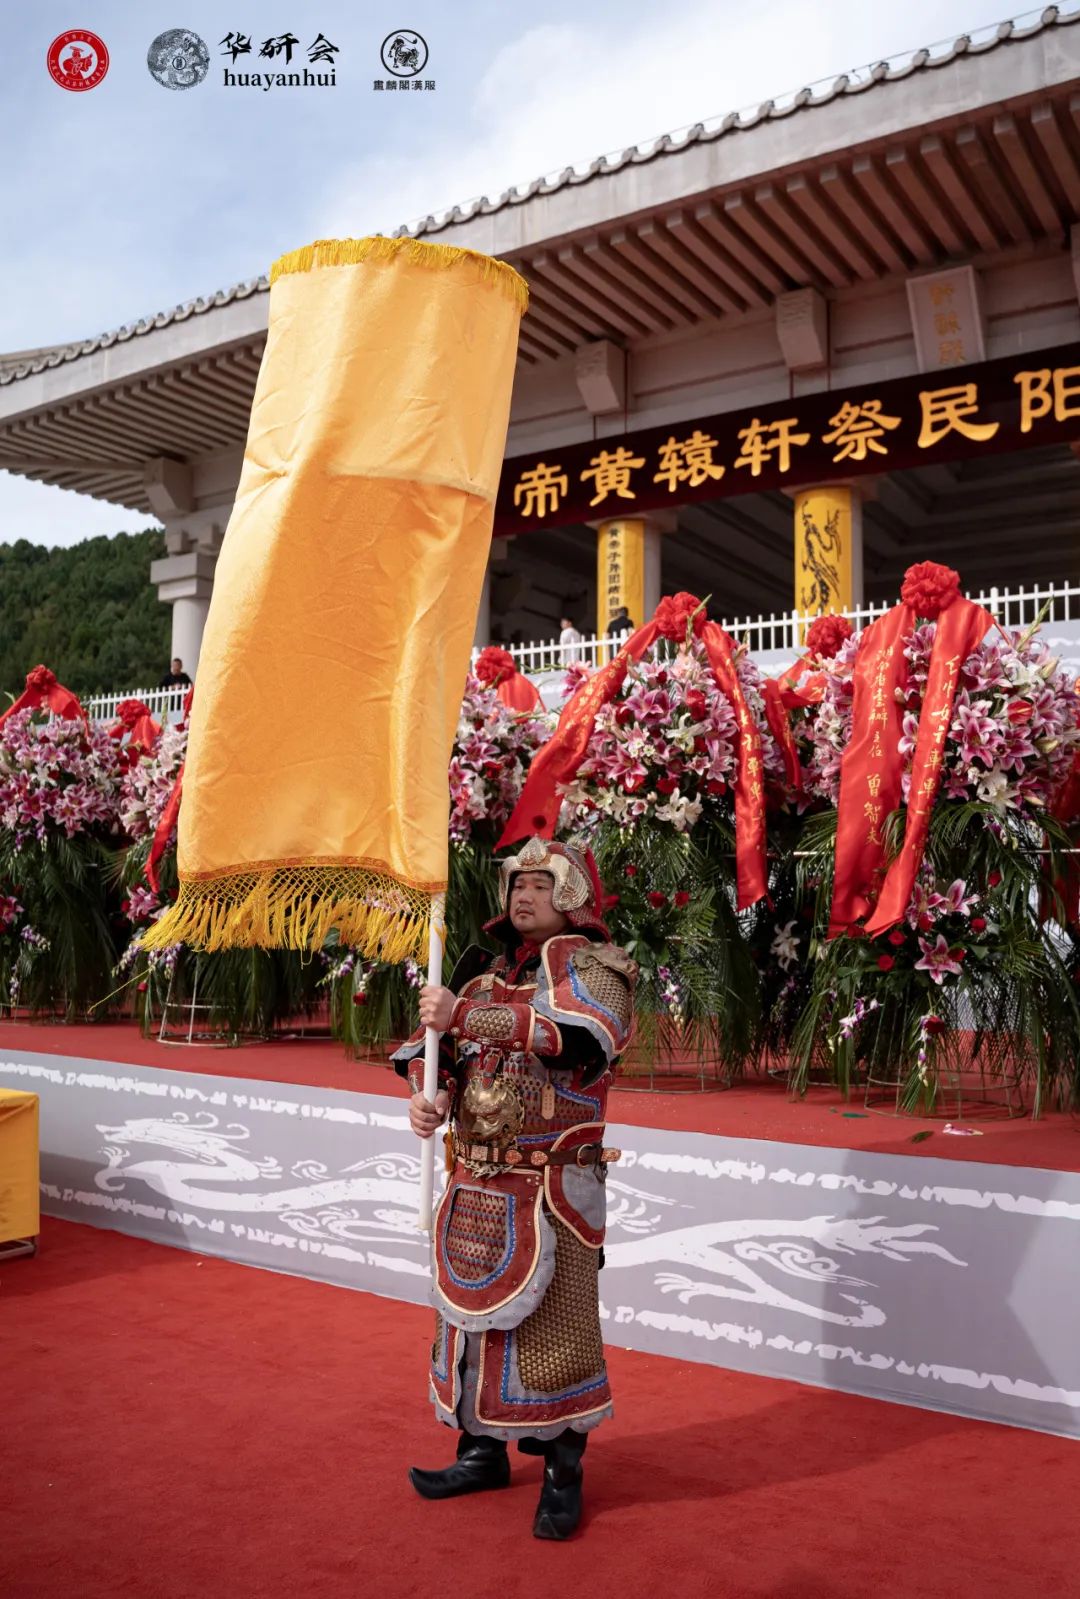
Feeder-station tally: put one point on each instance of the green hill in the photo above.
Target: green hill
(89, 612)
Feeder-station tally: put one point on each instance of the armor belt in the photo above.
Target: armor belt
(513, 1159)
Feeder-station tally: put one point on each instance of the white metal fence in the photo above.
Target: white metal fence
(166, 704)
(781, 631)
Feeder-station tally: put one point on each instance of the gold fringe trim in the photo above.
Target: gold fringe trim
(295, 907)
(418, 252)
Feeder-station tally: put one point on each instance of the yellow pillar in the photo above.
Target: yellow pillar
(828, 549)
(627, 570)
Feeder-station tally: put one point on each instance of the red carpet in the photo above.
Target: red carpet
(180, 1428)
(756, 1109)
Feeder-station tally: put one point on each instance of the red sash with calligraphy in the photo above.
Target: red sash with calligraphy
(556, 763)
(960, 629)
(751, 847)
(871, 768)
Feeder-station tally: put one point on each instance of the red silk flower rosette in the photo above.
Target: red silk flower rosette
(929, 589)
(674, 614)
(42, 689)
(133, 718)
(497, 668)
(827, 634)
(494, 665)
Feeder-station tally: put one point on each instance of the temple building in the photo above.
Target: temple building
(774, 359)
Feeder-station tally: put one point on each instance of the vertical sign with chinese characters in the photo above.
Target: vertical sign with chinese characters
(946, 319)
(828, 549)
(620, 571)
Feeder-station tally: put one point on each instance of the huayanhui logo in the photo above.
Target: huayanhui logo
(178, 59)
(280, 71)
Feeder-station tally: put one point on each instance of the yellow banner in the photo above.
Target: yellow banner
(620, 571)
(345, 600)
(19, 1200)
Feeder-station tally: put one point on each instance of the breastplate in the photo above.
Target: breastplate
(510, 1096)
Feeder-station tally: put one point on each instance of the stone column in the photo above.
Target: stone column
(828, 549)
(185, 575)
(185, 579)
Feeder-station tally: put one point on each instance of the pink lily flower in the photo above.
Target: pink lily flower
(937, 959)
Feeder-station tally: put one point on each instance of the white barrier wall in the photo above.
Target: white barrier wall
(953, 1286)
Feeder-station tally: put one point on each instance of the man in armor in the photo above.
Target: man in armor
(530, 1037)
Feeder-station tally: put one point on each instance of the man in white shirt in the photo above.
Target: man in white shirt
(570, 641)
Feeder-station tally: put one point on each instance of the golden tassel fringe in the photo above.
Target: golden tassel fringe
(295, 907)
(418, 252)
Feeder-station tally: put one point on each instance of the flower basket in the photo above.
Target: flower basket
(653, 799)
(965, 1003)
(59, 826)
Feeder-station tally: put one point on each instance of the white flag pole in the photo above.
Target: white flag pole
(431, 1060)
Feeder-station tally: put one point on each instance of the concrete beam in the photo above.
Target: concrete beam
(168, 486)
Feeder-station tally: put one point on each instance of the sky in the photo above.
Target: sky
(130, 199)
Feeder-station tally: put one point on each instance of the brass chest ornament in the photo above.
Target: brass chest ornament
(491, 1114)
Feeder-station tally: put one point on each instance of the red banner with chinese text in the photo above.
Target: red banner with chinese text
(166, 822)
(871, 768)
(751, 846)
(960, 629)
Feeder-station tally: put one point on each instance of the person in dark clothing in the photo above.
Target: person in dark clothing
(620, 625)
(175, 677)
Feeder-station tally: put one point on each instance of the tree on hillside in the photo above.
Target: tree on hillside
(89, 612)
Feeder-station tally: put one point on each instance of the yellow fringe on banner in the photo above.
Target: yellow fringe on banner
(418, 252)
(295, 907)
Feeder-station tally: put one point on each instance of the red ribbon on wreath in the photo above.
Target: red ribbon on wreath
(163, 831)
(801, 686)
(168, 818)
(871, 769)
(557, 761)
(43, 689)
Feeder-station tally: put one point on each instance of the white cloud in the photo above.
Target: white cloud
(561, 94)
(135, 200)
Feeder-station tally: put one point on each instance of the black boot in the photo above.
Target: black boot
(481, 1463)
(559, 1510)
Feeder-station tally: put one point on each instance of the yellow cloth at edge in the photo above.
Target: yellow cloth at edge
(345, 599)
(19, 1172)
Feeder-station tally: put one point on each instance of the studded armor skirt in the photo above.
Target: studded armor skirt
(518, 1350)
